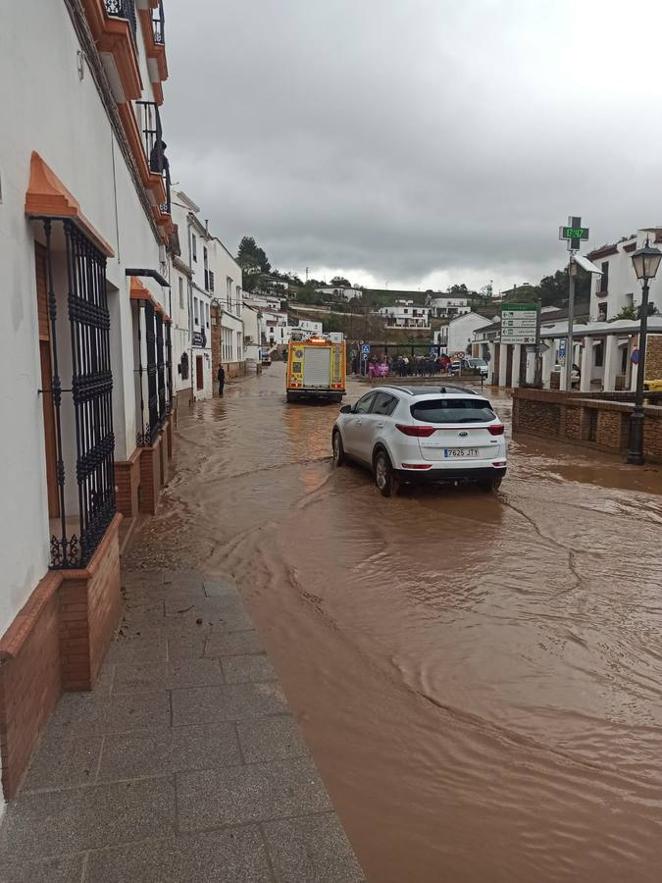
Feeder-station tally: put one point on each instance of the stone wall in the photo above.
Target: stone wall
(598, 422)
(654, 357)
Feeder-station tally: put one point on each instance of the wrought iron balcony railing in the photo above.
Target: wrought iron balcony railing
(149, 121)
(158, 24)
(123, 9)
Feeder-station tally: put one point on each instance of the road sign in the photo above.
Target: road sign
(562, 343)
(519, 323)
(365, 350)
(574, 233)
(634, 358)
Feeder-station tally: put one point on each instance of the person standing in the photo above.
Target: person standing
(221, 380)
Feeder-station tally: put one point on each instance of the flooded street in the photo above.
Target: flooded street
(479, 676)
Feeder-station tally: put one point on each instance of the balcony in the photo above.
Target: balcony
(152, 22)
(113, 25)
(158, 25)
(149, 122)
(123, 9)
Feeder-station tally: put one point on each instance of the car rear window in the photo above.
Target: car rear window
(453, 411)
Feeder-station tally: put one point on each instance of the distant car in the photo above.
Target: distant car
(423, 433)
(266, 359)
(479, 365)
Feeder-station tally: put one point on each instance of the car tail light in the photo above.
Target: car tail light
(416, 431)
(417, 465)
(496, 429)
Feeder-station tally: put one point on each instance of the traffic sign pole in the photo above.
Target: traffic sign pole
(574, 233)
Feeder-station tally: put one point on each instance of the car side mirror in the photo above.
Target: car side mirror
(346, 409)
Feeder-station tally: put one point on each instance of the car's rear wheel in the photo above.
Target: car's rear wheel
(490, 484)
(338, 449)
(386, 479)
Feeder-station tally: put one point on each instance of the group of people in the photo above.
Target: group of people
(410, 366)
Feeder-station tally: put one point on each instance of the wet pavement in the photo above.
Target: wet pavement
(479, 677)
(183, 765)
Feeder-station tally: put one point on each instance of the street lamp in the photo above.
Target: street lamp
(646, 260)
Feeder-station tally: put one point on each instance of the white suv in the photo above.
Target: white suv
(424, 433)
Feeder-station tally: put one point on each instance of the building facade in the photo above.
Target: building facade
(405, 314)
(86, 348)
(458, 335)
(229, 300)
(253, 332)
(446, 306)
(617, 292)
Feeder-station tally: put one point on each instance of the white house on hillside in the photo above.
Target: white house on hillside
(405, 314)
(347, 293)
(447, 306)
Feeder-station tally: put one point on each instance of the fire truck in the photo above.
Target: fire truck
(315, 369)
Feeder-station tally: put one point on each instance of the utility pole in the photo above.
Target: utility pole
(574, 234)
(307, 268)
(572, 274)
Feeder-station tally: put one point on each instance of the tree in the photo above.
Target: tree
(251, 257)
(633, 313)
(253, 262)
(340, 282)
(626, 313)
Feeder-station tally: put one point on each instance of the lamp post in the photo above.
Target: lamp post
(646, 260)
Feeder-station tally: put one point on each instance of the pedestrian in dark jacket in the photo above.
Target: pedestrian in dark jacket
(221, 379)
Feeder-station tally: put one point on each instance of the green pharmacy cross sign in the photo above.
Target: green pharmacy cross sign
(574, 233)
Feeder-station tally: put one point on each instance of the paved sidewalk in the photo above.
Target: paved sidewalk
(183, 764)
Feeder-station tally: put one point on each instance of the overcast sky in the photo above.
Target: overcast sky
(416, 142)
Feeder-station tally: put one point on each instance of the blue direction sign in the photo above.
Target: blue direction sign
(365, 349)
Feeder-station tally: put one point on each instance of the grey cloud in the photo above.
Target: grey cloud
(404, 138)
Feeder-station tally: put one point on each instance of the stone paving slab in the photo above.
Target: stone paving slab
(251, 793)
(115, 714)
(149, 676)
(311, 849)
(53, 823)
(201, 705)
(128, 755)
(55, 870)
(274, 738)
(238, 855)
(183, 764)
(222, 643)
(64, 758)
(247, 669)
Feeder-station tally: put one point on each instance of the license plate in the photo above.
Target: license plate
(461, 452)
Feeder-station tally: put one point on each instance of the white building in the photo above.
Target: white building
(262, 301)
(229, 298)
(85, 348)
(347, 293)
(253, 334)
(405, 314)
(447, 306)
(276, 328)
(458, 335)
(181, 282)
(617, 289)
(203, 286)
(306, 327)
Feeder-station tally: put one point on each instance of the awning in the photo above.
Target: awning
(47, 197)
(140, 293)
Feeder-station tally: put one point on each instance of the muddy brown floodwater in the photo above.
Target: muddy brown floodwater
(479, 677)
